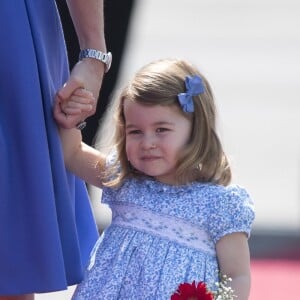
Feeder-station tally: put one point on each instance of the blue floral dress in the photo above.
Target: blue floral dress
(161, 236)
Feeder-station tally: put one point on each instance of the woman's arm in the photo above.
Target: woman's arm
(88, 20)
(234, 261)
(88, 73)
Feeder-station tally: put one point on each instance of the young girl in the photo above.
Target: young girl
(175, 218)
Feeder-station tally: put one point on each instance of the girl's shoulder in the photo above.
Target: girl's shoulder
(231, 209)
(232, 191)
(228, 200)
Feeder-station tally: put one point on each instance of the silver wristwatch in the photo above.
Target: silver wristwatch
(106, 58)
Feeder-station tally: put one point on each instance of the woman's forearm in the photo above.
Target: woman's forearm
(88, 20)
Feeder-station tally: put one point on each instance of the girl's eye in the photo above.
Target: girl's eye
(159, 130)
(136, 131)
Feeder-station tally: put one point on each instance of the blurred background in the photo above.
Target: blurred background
(249, 51)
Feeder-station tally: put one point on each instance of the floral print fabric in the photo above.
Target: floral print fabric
(161, 236)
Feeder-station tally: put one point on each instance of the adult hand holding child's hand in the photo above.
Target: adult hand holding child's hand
(71, 111)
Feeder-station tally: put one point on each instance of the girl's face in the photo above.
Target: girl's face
(155, 135)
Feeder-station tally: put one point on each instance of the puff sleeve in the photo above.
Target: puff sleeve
(231, 210)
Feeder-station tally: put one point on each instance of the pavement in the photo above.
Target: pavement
(249, 51)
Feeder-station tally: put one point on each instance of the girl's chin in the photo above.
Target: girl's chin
(166, 180)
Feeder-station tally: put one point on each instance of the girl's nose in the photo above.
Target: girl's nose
(148, 142)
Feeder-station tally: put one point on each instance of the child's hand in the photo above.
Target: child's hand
(88, 74)
(80, 101)
(74, 109)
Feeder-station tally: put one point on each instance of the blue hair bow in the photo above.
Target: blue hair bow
(194, 87)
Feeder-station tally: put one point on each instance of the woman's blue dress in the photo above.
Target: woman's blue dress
(47, 227)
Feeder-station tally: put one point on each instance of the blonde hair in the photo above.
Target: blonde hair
(159, 83)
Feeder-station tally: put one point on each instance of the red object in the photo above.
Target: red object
(192, 291)
(275, 279)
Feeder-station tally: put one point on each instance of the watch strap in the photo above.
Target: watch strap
(106, 58)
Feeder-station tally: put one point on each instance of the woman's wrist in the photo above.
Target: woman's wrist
(97, 55)
(95, 68)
